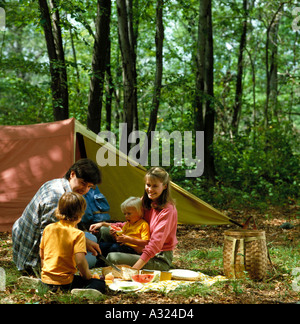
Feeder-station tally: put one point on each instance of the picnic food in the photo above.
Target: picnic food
(109, 278)
(116, 228)
(126, 272)
(142, 278)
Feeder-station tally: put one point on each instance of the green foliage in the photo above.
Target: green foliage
(257, 167)
(252, 171)
(264, 168)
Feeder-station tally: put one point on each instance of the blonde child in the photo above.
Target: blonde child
(161, 215)
(63, 248)
(132, 236)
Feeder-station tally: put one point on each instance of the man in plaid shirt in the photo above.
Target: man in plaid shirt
(28, 229)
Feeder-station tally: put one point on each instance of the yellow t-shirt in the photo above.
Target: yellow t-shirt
(139, 230)
(60, 242)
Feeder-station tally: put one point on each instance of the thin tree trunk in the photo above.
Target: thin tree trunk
(159, 41)
(128, 64)
(274, 69)
(133, 28)
(209, 164)
(110, 89)
(200, 64)
(99, 65)
(239, 82)
(75, 62)
(205, 86)
(58, 71)
(252, 61)
(271, 68)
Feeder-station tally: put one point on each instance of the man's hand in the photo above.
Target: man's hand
(93, 247)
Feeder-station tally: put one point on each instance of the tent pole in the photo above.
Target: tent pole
(235, 223)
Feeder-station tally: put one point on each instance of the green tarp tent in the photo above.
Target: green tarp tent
(33, 154)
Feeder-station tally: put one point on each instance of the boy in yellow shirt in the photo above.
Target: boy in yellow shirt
(129, 237)
(63, 248)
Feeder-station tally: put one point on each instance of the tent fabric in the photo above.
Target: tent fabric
(120, 182)
(30, 156)
(33, 154)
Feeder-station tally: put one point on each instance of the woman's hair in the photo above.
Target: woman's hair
(85, 169)
(71, 207)
(134, 202)
(163, 176)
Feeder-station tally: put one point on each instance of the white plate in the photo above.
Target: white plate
(125, 286)
(184, 274)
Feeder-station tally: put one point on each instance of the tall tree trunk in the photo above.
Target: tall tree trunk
(80, 99)
(204, 86)
(253, 72)
(58, 71)
(239, 80)
(99, 65)
(133, 28)
(200, 66)
(118, 91)
(159, 41)
(274, 68)
(209, 162)
(271, 65)
(110, 89)
(127, 47)
(75, 61)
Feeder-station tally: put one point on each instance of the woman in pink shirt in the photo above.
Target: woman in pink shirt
(161, 214)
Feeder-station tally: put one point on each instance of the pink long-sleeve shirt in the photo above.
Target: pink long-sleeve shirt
(163, 227)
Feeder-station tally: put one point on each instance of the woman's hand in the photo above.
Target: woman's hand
(139, 264)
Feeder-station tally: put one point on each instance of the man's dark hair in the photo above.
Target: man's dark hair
(87, 170)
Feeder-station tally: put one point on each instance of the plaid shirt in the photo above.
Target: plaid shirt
(28, 229)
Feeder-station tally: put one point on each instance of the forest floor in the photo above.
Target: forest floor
(200, 248)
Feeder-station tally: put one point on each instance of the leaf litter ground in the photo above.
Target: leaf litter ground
(199, 248)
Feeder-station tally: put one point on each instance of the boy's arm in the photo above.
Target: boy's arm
(42, 251)
(82, 265)
(42, 257)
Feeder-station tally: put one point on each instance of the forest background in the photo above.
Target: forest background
(228, 68)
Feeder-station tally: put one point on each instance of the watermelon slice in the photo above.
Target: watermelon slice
(117, 229)
(146, 277)
(143, 278)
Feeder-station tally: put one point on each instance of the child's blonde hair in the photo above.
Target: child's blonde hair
(134, 202)
(71, 207)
